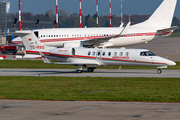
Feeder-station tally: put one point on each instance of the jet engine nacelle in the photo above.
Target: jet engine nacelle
(63, 51)
(72, 44)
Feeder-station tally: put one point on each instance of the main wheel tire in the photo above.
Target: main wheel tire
(159, 71)
(79, 71)
(90, 69)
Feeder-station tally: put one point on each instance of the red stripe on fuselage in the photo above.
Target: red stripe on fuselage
(97, 37)
(103, 58)
(36, 52)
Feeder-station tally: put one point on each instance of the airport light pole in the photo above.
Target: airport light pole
(80, 16)
(19, 15)
(97, 11)
(110, 11)
(56, 13)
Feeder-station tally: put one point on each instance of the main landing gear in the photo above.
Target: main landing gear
(159, 71)
(79, 69)
(90, 69)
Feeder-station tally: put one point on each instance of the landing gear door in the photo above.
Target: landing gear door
(99, 54)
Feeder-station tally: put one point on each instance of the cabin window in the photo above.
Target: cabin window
(115, 53)
(94, 53)
(109, 54)
(64, 35)
(127, 54)
(104, 53)
(89, 53)
(99, 53)
(121, 54)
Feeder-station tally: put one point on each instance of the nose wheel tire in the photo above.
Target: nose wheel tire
(159, 71)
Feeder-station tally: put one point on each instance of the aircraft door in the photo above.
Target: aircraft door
(99, 54)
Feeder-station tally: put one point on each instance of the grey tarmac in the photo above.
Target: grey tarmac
(148, 73)
(82, 110)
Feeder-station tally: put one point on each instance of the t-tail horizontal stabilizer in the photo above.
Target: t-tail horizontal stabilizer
(168, 29)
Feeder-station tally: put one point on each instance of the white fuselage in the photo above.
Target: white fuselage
(108, 57)
(88, 36)
(57, 37)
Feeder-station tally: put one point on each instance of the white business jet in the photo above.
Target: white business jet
(157, 26)
(94, 57)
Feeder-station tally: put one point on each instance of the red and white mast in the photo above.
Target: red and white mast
(97, 11)
(56, 13)
(80, 16)
(110, 11)
(121, 13)
(19, 15)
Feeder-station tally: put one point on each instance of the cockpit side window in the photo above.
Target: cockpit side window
(147, 53)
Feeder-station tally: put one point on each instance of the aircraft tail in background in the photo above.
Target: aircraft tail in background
(162, 17)
(31, 42)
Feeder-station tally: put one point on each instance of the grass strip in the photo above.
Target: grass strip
(175, 35)
(30, 64)
(90, 89)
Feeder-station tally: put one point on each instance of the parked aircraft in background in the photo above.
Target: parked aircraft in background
(94, 57)
(157, 26)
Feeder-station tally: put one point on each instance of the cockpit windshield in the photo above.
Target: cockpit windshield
(147, 53)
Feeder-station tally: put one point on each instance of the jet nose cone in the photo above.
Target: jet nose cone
(171, 63)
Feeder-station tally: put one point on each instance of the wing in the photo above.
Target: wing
(107, 38)
(63, 63)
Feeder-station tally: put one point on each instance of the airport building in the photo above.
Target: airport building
(3, 22)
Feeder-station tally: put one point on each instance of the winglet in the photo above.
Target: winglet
(125, 30)
(121, 25)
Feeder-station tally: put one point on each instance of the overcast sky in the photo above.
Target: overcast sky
(88, 6)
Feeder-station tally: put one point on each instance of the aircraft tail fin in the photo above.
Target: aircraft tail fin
(162, 17)
(31, 42)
